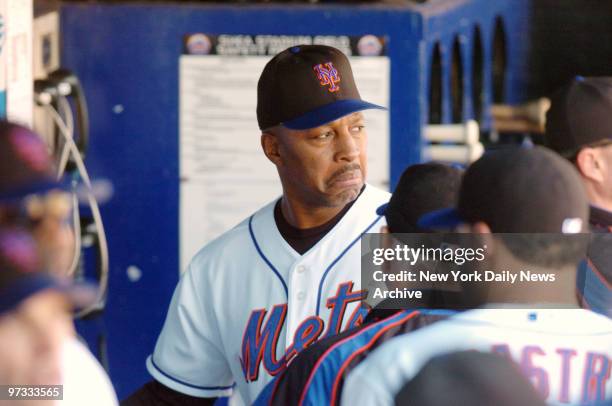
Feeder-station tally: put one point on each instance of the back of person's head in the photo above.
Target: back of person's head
(531, 193)
(421, 189)
(469, 378)
(579, 116)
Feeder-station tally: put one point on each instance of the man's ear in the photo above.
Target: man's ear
(589, 163)
(384, 230)
(270, 146)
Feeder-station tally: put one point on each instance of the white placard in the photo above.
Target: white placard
(224, 174)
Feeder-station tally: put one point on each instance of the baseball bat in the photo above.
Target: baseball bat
(465, 133)
(460, 153)
(526, 117)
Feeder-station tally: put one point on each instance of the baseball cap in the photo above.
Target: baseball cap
(25, 164)
(421, 189)
(580, 115)
(306, 86)
(518, 190)
(21, 276)
(469, 378)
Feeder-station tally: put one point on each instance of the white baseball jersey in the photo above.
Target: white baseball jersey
(565, 353)
(84, 380)
(248, 303)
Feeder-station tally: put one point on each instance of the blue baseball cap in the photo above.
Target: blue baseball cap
(306, 86)
(442, 218)
(22, 275)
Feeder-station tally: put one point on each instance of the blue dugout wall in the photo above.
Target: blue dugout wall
(127, 57)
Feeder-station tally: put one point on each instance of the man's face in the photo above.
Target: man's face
(324, 166)
(31, 340)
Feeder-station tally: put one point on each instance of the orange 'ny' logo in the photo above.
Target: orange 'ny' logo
(328, 76)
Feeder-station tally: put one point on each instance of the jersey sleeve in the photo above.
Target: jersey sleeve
(265, 396)
(82, 376)
(188, 356)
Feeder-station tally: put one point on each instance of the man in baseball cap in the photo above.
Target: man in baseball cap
(30, 196)
(307, 104)
(531, 199)
(313, 132)
(579, 127)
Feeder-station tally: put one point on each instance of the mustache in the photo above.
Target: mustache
(343, 170)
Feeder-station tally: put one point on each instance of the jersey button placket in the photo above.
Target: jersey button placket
(299, 280)
(298, 298)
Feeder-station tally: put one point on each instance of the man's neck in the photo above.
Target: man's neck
(303, 217)
(597, 200)
(560, 292)
(600, 218)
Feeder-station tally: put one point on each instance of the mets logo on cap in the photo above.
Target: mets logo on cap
(328, 76)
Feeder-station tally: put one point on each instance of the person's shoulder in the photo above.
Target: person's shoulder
(365, 210)
(418, 333)
(229, 246)
(591, 322)
(375, 194)
(83, 375)
(549, 321)
(370, 200)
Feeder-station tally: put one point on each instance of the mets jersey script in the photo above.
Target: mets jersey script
(565, 353)
(249, 303)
